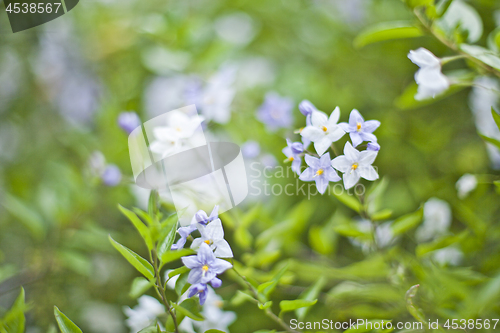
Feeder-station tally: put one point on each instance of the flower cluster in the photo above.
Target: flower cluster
(323, 130)
(431, 81)
(210, 246)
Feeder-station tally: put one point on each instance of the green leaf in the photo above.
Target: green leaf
(14, 321)
(493, 141)
(348, 230)
(480, 53)
(213, 330)
(178, 271)
(65, 324)
(174, 255)
(496, 117)
(463, 16)
(387, 31)
(139, 286)
(26, 215)
(267, 288)
(384, 214)
(407, 222)
(407, 101)
(141, 264)
(139, 225)
(165, 244)
(349, 201)
(410, 305)
(181, 283)
(287, 306)
(265, 306)
(309, 295)
(189, 308)
(423, 249)
(494, 40)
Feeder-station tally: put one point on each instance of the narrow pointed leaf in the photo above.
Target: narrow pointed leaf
(141, 264)
(65, 324)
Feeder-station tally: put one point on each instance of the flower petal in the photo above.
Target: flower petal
(351, 153)
(370, 126)
(215, 282)
(195, 245)
(191, 262)
(312, 161)
(341, 163)
(205, 254)
(350, 179)
(322, 145)
(368, 137)
(368, 172)
(335, 133)
(355, 138)
(195, 276)
(307, 175)
(321, 183)
(312, 133)
(334, 116)
(219, 266)
(331, 175)
(214, 230)
(223, 250)
(367, 157)
(325, 161)
(355, 118)
(424, 58)
(318, 118)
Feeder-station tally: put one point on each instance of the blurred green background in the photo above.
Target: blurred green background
(63, 85)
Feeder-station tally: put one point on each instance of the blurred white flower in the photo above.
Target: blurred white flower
(430, 80)
(448, 256)
(466, 184)
(383, 235)
(482, 98)
(213, 235)
(165, 94)
(103, 318)
(437, 220)
(236, 28)
(255, 71)
(171, 138)
(217, 95)
(143, 314)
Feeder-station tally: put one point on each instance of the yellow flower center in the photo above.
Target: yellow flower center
(204, 268)
(208, 242)
(290, 158)
(354, 166)
(324, 128)
(358, 127)
(319, 172)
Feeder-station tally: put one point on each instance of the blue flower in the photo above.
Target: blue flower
(293, 151)
(205, 267)
(201, 289)
(129, 121)
(111, 176)
(200, 218)
(250, 149)
(360, 130)
(319, 170)
(373, 146)
(307, 108)
(276, 111)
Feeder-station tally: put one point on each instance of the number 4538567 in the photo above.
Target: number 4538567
(33, 8)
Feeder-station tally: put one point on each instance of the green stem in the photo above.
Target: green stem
(268, 312)
(161, 291)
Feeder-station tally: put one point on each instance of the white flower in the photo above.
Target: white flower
(466, 184)
(430, 80)
(448, 256)
(323, 130)
(171, 138)
(217, 96)
(437, 220)
(355, 164)
(383, 235)
(213, 235)
(143, 315)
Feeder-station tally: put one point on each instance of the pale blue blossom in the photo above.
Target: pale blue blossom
(276, 111)
(199, 219)
(355, 165)
(250, 149)
(360, 130)
(373, 146)
(129, 121)
(293, 151)
(323, 130)
(213, 236)
(320, 171)
(111, 175)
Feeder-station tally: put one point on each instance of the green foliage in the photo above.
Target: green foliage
(14, 321)
(387, 31)
(64, 323)
(139, 263)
